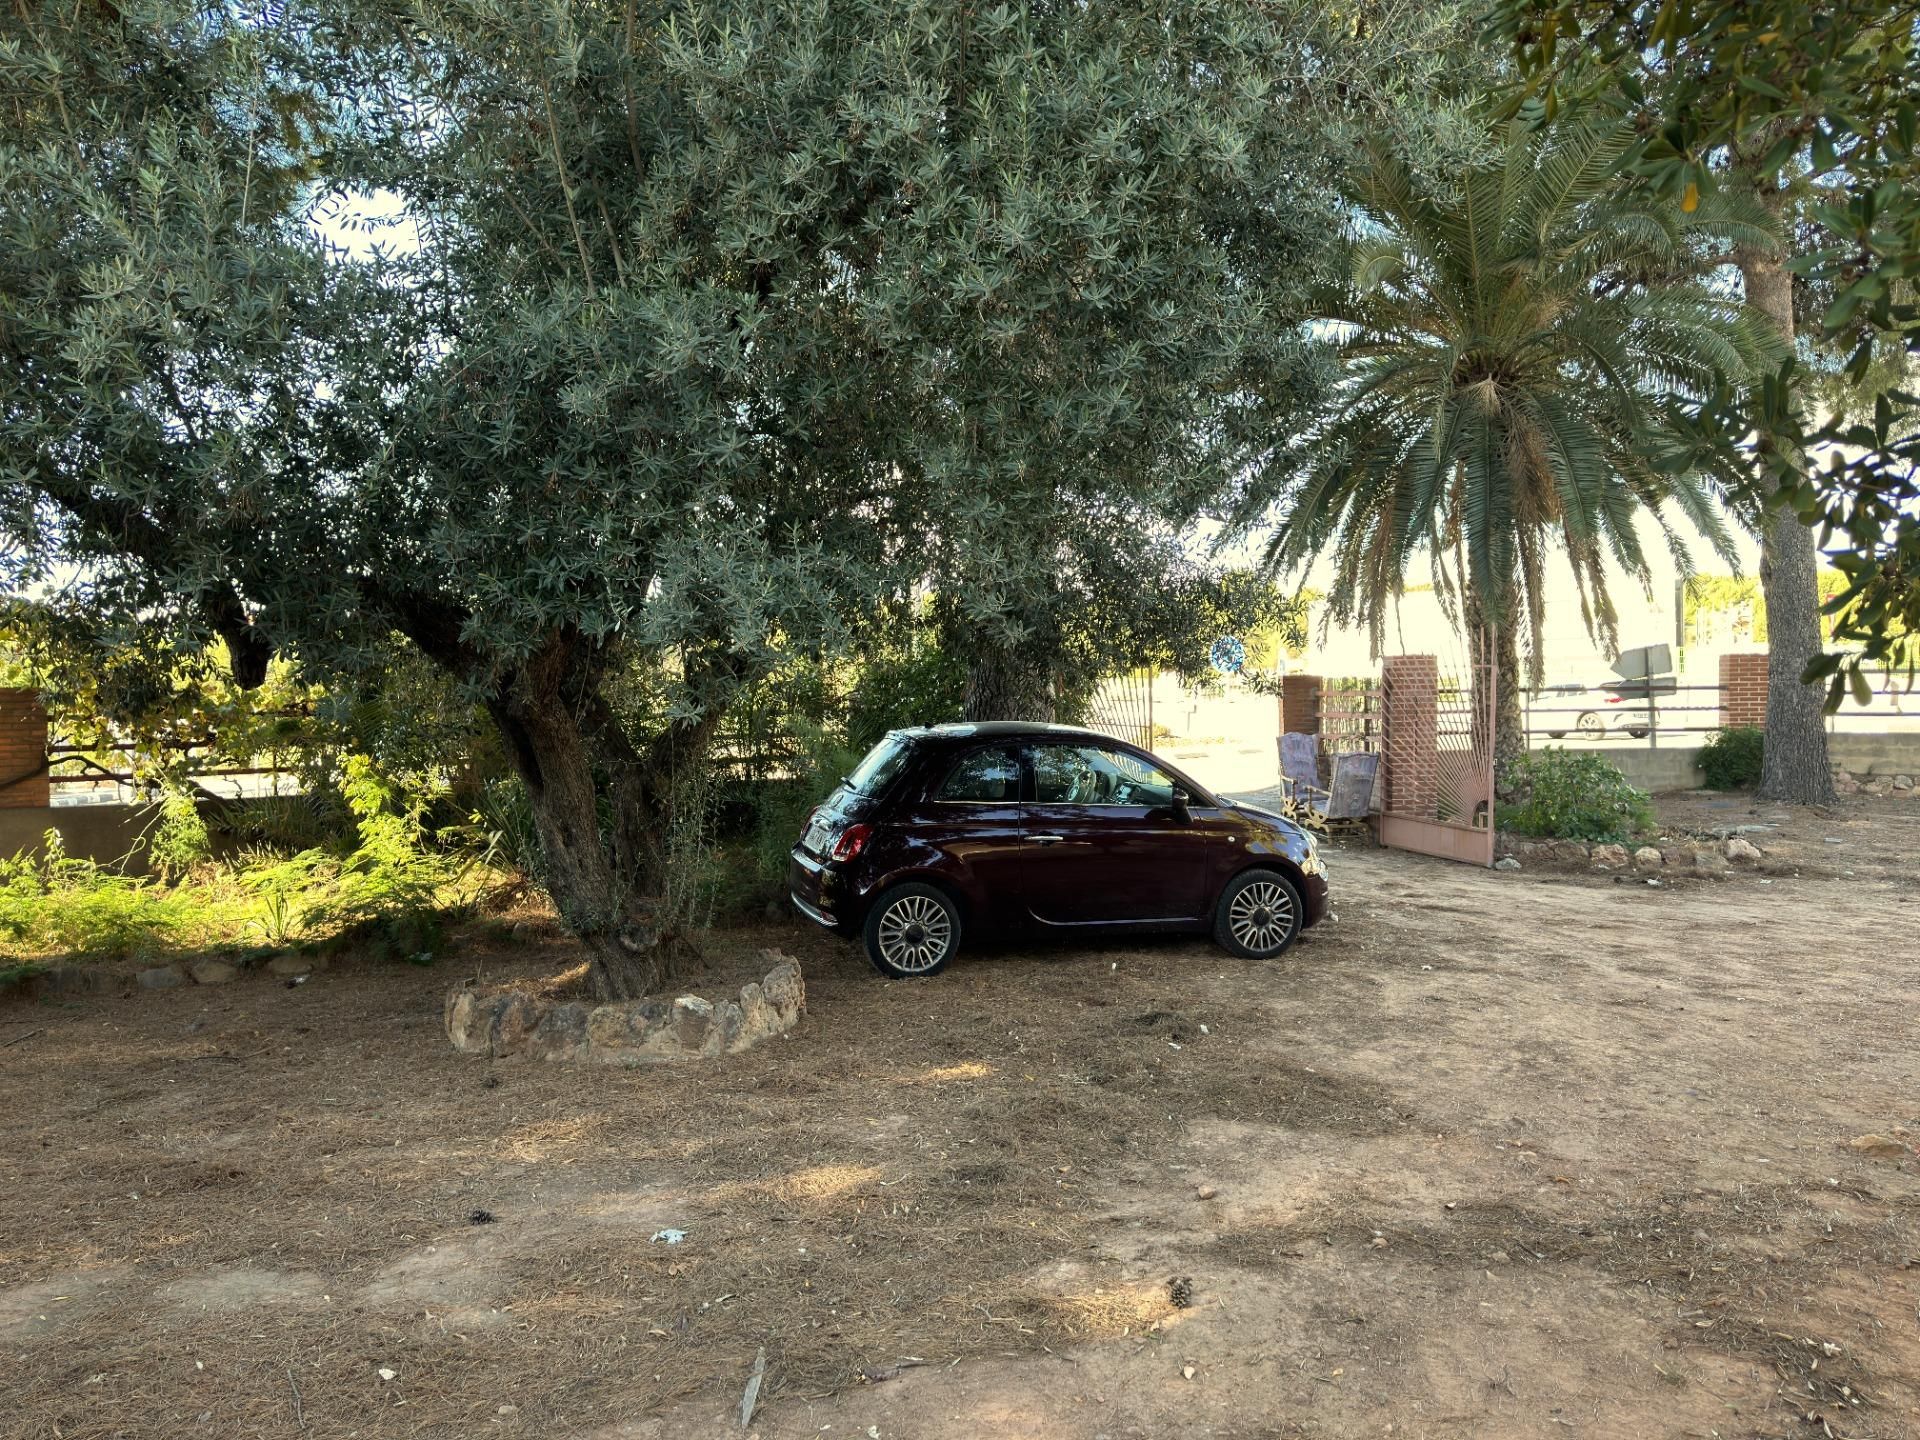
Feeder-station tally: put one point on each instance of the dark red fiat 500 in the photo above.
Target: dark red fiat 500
(966, 830)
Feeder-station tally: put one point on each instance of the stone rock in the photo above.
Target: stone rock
(1846, 785)
(213, 972)
(1680, 856)
(1880, 1147)
(1609, 857)
(1741, 850)
(1903, 782)
(1506, 862)
(1647, 858)
(630, 1033)
(1877, 785)
(692, 1019)
(287, 966)
(1567, 850)
(162, 977)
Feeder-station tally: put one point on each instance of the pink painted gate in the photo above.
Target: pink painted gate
(1437, 728)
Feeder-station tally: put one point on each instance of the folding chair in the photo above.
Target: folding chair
(1299, 768)
(1348, 798)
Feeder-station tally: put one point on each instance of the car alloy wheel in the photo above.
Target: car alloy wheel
(912, 930)
(1591, 726)
(1258, 915)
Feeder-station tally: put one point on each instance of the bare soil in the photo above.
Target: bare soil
(1491, 1155)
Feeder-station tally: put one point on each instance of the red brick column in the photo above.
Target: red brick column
(1743, 690)
(1300, 704)
(23, 751)
(1410, 696)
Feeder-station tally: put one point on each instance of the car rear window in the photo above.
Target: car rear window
(885, 761)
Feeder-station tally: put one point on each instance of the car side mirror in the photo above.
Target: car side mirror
(1180, 802)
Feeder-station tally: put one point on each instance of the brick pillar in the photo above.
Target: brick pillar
(1410, 697)
(1743, 690)
(1300, 704)
(23, 751)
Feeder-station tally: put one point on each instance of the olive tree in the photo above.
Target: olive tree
(712, 325)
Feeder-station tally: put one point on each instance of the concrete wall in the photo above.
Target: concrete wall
(103, 833)
(1859, 755)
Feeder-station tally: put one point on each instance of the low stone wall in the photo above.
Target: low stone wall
(642, 1032)
(1725, 852)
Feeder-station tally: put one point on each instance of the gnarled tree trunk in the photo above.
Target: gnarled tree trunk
(606, 870)
(1796, 767)
(1004, 686)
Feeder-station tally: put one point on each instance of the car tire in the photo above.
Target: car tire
(912, 930)
(1556, 734)
(1258, 915)
(1638, 732)
(1590, 726)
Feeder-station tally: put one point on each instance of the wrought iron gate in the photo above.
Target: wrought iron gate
(1122, 706)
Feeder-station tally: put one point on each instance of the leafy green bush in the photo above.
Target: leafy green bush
(180, 841)
(1574, 796)
(1730, 760)
(390, 886)
(924, 685)
(56, 902)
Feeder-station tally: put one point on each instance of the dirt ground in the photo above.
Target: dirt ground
(1491, 1155)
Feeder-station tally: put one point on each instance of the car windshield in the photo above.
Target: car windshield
(883, 762)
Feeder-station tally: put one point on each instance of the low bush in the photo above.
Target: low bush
(1574, 796)
(1730, 760)
(52, 901)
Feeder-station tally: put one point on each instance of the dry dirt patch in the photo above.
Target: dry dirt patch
(1492, 1156)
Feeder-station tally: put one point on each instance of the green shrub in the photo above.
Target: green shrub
(389, 888)
(1574, 796)
(180, 841)
(54, 902)
(1730, 760)
(923, 686)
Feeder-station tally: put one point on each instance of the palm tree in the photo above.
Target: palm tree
(1513, 356)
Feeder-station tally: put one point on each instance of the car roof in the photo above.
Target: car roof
(959, 732)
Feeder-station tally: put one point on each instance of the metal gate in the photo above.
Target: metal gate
(1122, 706)
(1437, 732)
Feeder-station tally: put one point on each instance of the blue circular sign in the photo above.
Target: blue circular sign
(1228, 655)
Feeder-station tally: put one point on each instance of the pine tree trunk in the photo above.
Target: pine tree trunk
(1796, 768)
(1002, 686)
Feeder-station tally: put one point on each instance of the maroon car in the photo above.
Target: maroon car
(1009, 827)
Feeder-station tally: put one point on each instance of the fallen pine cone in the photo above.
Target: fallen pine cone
(1180, 1291)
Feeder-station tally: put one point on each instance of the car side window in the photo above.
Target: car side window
(983, 777)
(1094, 775)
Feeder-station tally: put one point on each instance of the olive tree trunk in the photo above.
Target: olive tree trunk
(1796, 768)
(604, 809)
(1004, 686)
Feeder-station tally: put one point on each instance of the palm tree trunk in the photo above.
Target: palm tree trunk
(1499, 641)
(1796, 768)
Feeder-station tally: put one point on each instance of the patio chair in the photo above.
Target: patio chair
(1299, 768)
(1348, 797)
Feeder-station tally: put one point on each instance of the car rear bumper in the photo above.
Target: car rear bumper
(820, 892)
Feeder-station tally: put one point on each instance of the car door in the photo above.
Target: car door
(969, 829)
(1104, 844)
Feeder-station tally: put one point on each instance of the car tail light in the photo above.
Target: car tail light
(851, 841)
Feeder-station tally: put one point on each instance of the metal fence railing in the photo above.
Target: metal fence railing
(1617, 713)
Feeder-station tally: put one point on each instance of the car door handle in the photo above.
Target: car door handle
(1046, 839)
